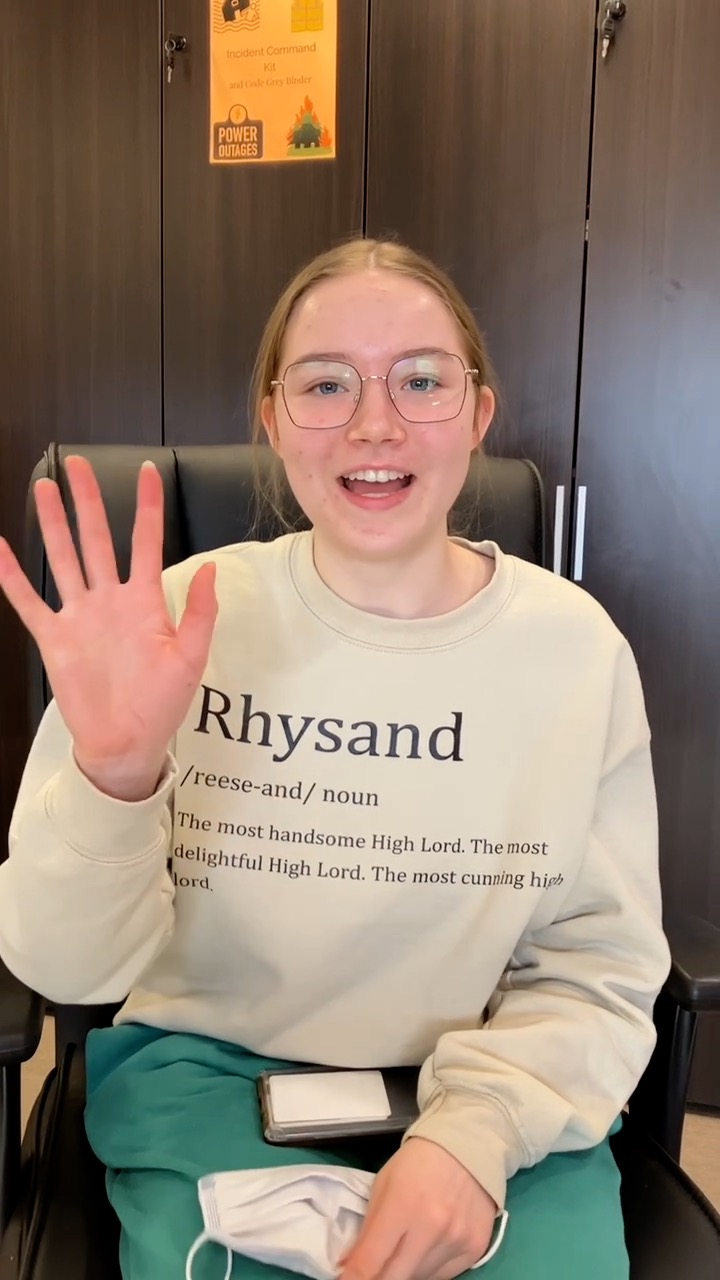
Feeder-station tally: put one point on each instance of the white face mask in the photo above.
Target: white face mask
(304, 1217)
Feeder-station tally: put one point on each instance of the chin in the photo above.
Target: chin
(380, 539)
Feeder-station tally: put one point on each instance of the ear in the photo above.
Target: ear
(267, 415)
(484, 414)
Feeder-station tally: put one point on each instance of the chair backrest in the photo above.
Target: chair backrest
(209, 502)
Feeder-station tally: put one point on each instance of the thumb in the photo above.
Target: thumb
(201, 609)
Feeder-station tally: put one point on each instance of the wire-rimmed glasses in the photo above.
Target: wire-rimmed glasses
(321, 394)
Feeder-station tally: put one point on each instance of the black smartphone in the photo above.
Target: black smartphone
(312, 1105)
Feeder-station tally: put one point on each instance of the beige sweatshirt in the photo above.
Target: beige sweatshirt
(389, 842)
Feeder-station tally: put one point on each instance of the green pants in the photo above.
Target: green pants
(164, 1109)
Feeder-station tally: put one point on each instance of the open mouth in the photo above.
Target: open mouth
(376, 484)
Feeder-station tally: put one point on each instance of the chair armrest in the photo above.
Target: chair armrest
(694, 980)
(692, 987)
(21, 1019)
(21, 1023)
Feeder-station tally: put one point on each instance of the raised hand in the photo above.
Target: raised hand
(122, 673)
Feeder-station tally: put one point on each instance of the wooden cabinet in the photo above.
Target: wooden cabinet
(478, 155)
(234, 235)
(80, 263)
(648, 438)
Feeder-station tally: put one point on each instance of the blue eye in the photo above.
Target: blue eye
(422, 382)
(327, 388)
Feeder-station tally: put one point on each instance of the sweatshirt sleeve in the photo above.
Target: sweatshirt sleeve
(86, 901)
(570, 1028)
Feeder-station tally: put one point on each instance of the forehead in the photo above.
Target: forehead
(374, 314)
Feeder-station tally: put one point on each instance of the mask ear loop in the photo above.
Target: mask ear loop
(202, 1239)
(493, 1250)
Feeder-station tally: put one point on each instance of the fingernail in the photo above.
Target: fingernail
(148, 463)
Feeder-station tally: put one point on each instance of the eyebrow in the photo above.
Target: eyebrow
(342, 355)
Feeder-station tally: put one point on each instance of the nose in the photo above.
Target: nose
(376, 418)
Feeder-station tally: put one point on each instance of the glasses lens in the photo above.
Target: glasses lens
(321, 393)
(428, 388)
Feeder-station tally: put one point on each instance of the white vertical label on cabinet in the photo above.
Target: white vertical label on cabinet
(580, 533)
(558, 528)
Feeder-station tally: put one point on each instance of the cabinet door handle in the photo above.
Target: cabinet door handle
(580, 532)
(559, 528)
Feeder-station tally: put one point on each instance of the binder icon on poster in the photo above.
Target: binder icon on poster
(307, 15)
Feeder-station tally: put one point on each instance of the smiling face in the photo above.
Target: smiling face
(375, 485)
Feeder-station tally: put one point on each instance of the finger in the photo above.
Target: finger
(198, 620)
(368, 1262)
(375, 1249)
(146, 564)
(436, 1265)
(59, 546)
(445, 1258)
(409, 1260)
(95, 538)
(31, 610)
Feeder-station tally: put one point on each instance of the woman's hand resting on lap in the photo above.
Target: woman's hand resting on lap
(428, 1219)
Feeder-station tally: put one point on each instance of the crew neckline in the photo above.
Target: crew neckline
(378, 631)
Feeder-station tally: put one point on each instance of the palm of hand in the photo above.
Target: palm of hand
(122, 673)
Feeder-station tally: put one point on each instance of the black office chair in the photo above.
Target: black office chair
(55, 1220)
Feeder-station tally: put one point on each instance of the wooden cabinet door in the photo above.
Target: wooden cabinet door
(479, 139)
(79, 263)
(235, 234)
(648, 456)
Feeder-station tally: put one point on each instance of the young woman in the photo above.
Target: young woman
(488, 908)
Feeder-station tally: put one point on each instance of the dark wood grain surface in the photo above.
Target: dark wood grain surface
(478, 156)
(235, 234)
(79, 262)
(649, 436)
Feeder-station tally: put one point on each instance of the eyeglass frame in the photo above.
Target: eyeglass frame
(374, 377)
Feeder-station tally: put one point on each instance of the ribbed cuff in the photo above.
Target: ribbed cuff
(478, 1134)
(99, 826)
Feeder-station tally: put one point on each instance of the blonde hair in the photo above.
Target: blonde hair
(349, 258)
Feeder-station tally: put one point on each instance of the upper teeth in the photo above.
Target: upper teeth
(377, 476)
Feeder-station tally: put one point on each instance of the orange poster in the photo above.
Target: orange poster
(273, 80)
